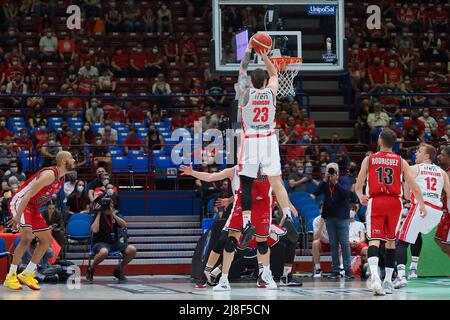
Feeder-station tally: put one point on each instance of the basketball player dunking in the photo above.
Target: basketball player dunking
(432, 180)
(24, 207)
(259, 143)
(384, 172)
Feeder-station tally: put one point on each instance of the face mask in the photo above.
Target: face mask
(98, 142)
(426, 114)
(155, 51)
(2, 124)
(94, 105)
(108, 128)
(13, 170)
(86, 128)
(11, 33)
(208, 113)
(15, 64)
(49, 34)
(300, 171)
(80, 188)
(52, 141)
(42, 128)
(110, 192)
(91, 52)
(448, 132)
(391, 65)
(105, 182)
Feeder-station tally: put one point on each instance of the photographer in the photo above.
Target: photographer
(108, 237)
(336, 213)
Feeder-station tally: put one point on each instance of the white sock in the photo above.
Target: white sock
(30, 268)
(414, 262)
(317, 266)
(389, 272)
(373, 265)
(246, 218)
(224, 276)
(266, 269)
(401, 271)
(208, 268)
(341, 267)
(287, 211)
(12, 269)
(260, 268)
(216, 271)
(286, 271)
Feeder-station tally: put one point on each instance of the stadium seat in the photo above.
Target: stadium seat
(4, 253)
(136, 153)
(96, 126)
(116, 153)
(139, 164)
(163, 162)
(81, 216)
(120, 164)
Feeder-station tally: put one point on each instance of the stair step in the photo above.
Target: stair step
(109, 262)
(327, 100)
(337, 123)
(142, 246)
(323, 92)
(141, 254)
(329, 108)
(163, 224)
(329, 116)
(311, 85)
(163, 239)
(164, 231)
(162, 218)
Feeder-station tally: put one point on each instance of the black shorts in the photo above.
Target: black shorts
(110, 247)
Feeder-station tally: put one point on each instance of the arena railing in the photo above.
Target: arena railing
(426, 104)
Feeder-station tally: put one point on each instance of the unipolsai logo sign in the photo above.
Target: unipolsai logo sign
(73, 22)
(321, 10)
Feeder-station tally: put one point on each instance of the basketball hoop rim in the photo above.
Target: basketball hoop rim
(284, 62)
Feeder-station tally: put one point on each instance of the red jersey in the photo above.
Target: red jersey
(444, 197)
(385, 175)
(45, 194)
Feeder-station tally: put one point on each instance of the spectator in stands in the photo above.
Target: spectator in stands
(357, 237)
(67, 49)
(439, 19)
(12, 40)
(164, 19)
(154, 141)
(100, 189)
(209, 120)
(70, 105)
(50, 148)
(10, 12)
(197, 89)
(66, 137)
(432, 49)
(119, 63)
(446, 137)
(376, 120)
(155, 62)
(8, 151)
(95, 113)
(78, 151)
(113, 17)
(298, 180)
(106, 241)
(3, 131)
(97, 182)
(100, 154)
(188, 49)
(149, 20)
(393, 75)
(171, 50)
(108, 190)
(86, 134)
(23, 141)
(14, 171)
(217, 88)
(48, 46)
(14, 68)
(336, 150)
(393, 126)
(428, 120)
(70, 78)
(131, 15)
(109, 135)
(320, 243)
(414, 123)
(322, 162)
(17, 85)
(361, 127)
(40, 135)
(161, 87)
(433, 84)
(139, 62)
(133, 142)
(117, 114)
(88, 71)
(177, 121)
(136, 113)
(78, 200)
(92, 8)
(55, 220)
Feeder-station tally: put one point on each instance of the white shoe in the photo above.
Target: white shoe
(412, 274)
(223, 285)
(374, 284)
(317, 273)
(388, 288)
(268, 278)
(400, 282)
(342, 273)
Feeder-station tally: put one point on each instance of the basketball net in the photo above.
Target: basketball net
(288, 68)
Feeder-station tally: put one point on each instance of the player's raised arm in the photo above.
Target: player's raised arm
(409, 178)
(245, 60)
(272, 71)
(243, 84)
(360, 182)
(205, 176)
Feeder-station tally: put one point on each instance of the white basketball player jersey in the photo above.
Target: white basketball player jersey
(258, 116)
(431, 182)
(236, 184)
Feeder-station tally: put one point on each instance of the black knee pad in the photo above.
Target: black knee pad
(263, 248)
(220, 245)
(230, 244)
(246, 186)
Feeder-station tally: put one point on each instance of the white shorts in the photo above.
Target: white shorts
(415, 224)
(256, 153)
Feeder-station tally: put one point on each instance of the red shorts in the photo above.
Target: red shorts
(356, 251)
(325, 247)
(442, 232)
(261, 216)
(383, 217)
(30, 218)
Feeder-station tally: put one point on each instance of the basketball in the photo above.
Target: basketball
(261, 42)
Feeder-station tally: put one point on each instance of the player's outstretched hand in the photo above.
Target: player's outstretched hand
(187, 170)
(423, 211)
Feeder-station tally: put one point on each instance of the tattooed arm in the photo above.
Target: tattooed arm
(244, 80)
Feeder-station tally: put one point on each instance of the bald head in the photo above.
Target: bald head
(65, 161)
(62, 155)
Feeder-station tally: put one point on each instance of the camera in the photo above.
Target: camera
(105, 203)
(331, 171)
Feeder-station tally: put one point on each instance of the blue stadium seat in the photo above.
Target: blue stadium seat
(168, 122)
(116, 153)
(163, 162)
(447, 121)
(310, 187)
(81, 216)
(26, 160)
(120, 164)
(122, 136)
(96, 126)
(136, 153)
(138, 125)
(117, 125)
(139, 164)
